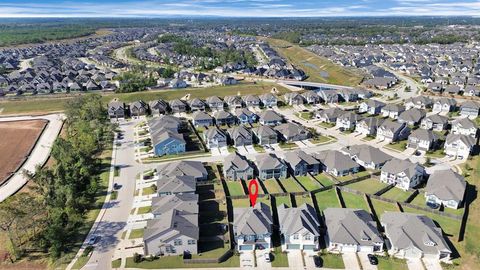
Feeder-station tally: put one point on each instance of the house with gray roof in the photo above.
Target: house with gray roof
(270, 166)
(423, 140)
(413, 236)
(293, 98)
(351, 230)
(392, 131)
(245, 116)
(224, 118)
(311, 97)
(269, 100)
(252, 227)
(301, 163)
(234, 101)
(367, 156)
(167, 142)
(178, 106)
(465, 126)
(392, 110)
(329, 115)
(368, 126)
(470, 109)
(237, 167)
(176, 233)
(299, 228)
(291, 132)
(434, 122)
(215, 103)
(402, 173)
(336, 163)
(252, 101)
(168, 122)
(412, 117)
(183, 167)
(444, 105)
(197, 104)
(446, 187)
(240, 136)
(459, 145)
(418, 102)
(270, 118)
(177, 184)
(202, 119)
(348, 120)
(371, 106)
(182, 202)
(116, 109)
(215, 138)
(158, 107)
(264, 135)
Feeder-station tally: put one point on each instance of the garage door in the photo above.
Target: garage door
(246, 247)
(366, 249)
(349, 249)
(293, 246)
(308, 247)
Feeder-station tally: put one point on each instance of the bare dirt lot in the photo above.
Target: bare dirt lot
(16, 140)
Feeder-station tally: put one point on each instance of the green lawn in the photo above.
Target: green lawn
(419, 200)
(354, 201)
(382, 207)
(116, 263)
(389, 263)
(321, 139)
(326, 125)
(333, 261)
(324, 179)
(300, 200)
(291, 185)
(144, 210)
(397, 146)
(308, 182)
(396, 194)
(448, 225)
(235, 188)
(148, 191)
(280, 259)
(136, 233)
(272, 186)
(305, 115)
(246, 202)
(352, 176)
(81, 261)
(169, 262)
(369, 186)
(259, 148)
(327, 199)
(260, 190)
(436, 154)
(288, 145)
(283, 200)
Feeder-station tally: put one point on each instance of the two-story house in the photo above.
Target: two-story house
(270, 166)
(402, 173)
(252, 227)
(237, 167)
(299, 228)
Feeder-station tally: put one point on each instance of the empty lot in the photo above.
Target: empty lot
(16, 140)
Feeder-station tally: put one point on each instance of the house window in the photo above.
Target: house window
(295, 236)
(177, 242)
(308, 237)
(191, 242)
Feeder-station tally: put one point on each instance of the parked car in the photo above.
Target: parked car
(372, 259)
(433, 205)
(116, 186)
(317, 261)
(92, 240)
(267, 257)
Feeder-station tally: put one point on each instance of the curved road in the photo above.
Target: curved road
(38, 156)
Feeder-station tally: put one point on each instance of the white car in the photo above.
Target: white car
(267, 257)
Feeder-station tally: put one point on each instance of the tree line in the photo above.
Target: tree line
(48, 217)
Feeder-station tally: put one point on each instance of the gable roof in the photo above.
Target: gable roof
(396, 166)
(182, 202)
(236, 161)
(176, 184)
(252, 220)
(172, 225)
(268, 161)
(293, 220)
(183, 167)
(367, 153)
(336, 160)
(446, 185)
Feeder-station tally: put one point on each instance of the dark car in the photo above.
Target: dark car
(433, 205)
(116, 186)
(317, 261)
(372, 259)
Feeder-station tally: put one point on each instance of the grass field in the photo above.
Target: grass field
(235, 188)
(313, 64)
(291, 185)
(354, 201)
(322, 178)
(55, 103)
(272, 186)
(332, 261)
(388, 263)
(381, 207)
(283, 200)
(369, 186)
(308, 182)
(397, 194)
(326, 199)
(300, 200)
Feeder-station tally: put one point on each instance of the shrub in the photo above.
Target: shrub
(137, 258)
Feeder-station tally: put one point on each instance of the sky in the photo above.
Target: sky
(237, 8)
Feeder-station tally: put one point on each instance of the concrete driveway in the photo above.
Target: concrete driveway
(295, 259)
(247, 259)
(415, 264)
(350, 261)
(432, 264)
(365, 262)
(309, 263)
(261, 263)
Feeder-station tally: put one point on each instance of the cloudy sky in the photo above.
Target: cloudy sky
(236, 8)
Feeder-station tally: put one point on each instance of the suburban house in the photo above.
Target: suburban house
(264, 135)
(138, 108)
(252, 101)
(215, 138)
(465, 126)
(184, 167)
(158, 107)
(348, 120)
(240, 136)
(176, 233)
(215, 103)
(116, 109)
(311, 97)
(252, 227)
(368, 126)
(270, 166)
(167, 142)
(329, 115)
(269, 100)
(197, 104)
(167, 122)
(412, 117)
(351, 230)
(182, 202)
(423, 140)
(458, 145)
(237, 167)
(290, 132)
(293, 98)
(371, 106)
(367, 156)
(446, 187)
(224, 118)
(234, 101)
(402, 173)
(444, 105)
(299, 228)
(470, 109)
(245, 116)
(434, 122)
(336, 163)
(392, 110)
(301, 163)
(178, 106)
(392, 131)
(177, 184)
(270, 118)
(414, 236)
(202, 119)
(418, 102)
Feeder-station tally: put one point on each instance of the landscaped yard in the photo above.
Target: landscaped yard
(148, 191)
(369, 186)
(397, 146)
(300, 200)
(260, 190)
(397, 194)
(324, 179)
(388, 263)
(272, 186)
(435, 154)
(280, 259)
(291, 185)
(332, 261)
(283, 200)
(354, 201)
(308, 182)
(419, 200)
(136, 233)
(288, 145)
(168, 262)
(259, 148)
(326, 125)
(144, 210)
(382, 207)
(235, 188)
(326, 199)
(321, 139)
(352, 176)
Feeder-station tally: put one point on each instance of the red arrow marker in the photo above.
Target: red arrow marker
(253, 193)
